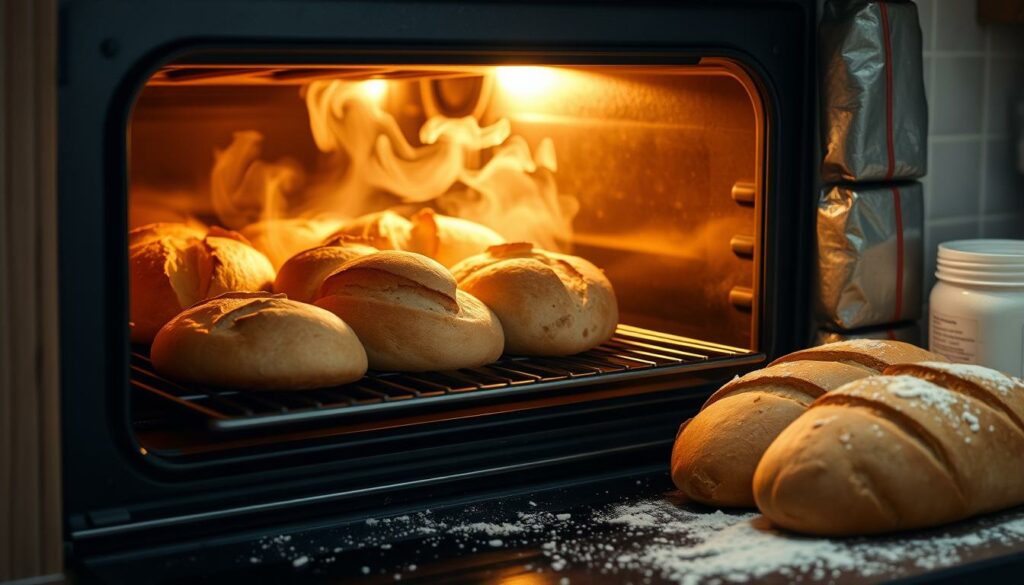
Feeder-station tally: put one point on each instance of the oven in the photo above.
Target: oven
(669, 143)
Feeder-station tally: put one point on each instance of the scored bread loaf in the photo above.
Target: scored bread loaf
(169, 274)
(384, 230)
(925, 444)
(258, 341)
(154, 231)
(874, 354)
(409, 315)
(449, 239)
(301, 276)
(548, 303)
(717, 451)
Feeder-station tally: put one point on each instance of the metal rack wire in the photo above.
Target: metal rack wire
(631, 351)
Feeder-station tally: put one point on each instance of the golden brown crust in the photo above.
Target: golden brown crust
(449, 239)
(896, 452)
(384, 230)
(549, 303)
(169, 274)
(258, 341)
(875, 354)
(155, 231)
(302, 275)
(716, 453)
(409, 315)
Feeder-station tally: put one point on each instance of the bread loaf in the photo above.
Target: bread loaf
(925, 444)
(301, 276)
(449, 239)
(384, 230)
(155, 231)
(717, 451)
(548, 303)
(258, 341)
(874, 354)
(409, 315)
(169, 274)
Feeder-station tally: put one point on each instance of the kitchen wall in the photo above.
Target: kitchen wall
(973, 76)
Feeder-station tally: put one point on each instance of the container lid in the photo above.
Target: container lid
(998, 263)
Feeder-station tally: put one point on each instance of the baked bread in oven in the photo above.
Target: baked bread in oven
(168, 274)
(925, 444)
(549, 304)
(717, 451)
(301, 276)
(407, 312)
(449, 239)
(154, 231)
(258, 341)
(441, 237)
(384, 230)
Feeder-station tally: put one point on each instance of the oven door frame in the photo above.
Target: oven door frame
(108, 48)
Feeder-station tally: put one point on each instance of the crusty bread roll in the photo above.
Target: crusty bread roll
(874, 354)
(717, 451)
(384, 230)
(258, 341)
(925, 444)
(548, 303)
(449, 239)
(409, 315)
(301, 276)
(154, 231)
(169, 274)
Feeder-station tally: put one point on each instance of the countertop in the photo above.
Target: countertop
(620, 530)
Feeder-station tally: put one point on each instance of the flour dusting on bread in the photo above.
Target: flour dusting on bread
(978, 374)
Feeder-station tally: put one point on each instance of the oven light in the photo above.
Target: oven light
(525, 82)
(374, 89)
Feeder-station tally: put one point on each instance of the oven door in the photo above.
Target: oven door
(117, 491)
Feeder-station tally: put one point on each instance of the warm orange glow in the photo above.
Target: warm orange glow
(374, 89)
(525, 81)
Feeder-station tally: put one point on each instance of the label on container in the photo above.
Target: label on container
(953, 337)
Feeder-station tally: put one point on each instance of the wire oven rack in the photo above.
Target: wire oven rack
(631, 353)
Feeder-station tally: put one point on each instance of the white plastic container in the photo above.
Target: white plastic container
(977, 305)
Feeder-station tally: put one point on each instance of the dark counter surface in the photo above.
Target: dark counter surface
(617, 530)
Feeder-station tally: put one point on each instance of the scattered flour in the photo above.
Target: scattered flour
(655, 538)
(824, 421)
(981, 375)
(489, 528)
(737, 548)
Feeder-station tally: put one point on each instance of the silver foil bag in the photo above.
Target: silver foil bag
(875, 119)
(870, 254)
(907, 332)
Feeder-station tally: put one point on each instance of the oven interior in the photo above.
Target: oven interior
(655, 173)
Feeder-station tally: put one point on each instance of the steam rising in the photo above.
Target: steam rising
(372, 166)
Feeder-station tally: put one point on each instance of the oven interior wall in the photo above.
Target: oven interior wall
(645, 161)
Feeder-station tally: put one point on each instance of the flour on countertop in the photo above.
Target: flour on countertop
(645, 540)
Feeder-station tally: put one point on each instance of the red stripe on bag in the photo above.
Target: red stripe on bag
(897, 208)
(889, 139)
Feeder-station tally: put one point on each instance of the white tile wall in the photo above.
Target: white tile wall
(973, 74)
